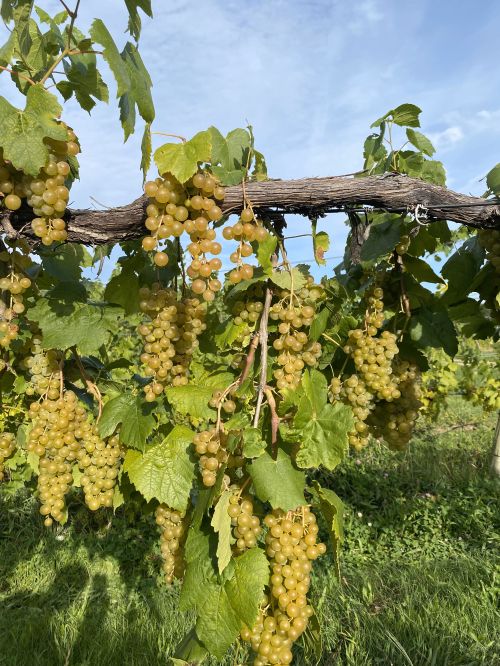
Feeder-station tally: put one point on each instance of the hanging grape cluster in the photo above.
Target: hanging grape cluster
(173, 535)
(353, 392)
(99, 461)
(14, 285)
(43, 368)
(246, 313)
(291, 547)
(245, 231)
(246, 526)
(47, 194)
(170, 336)
(7, 448)
(295, 312)
(490, 240)
(210, 446)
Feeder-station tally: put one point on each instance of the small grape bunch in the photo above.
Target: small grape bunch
(99, 460)
(191, 322)
(14, 285)
(246, 526)
(7, 448)
(246, 230)
(353, 391)
(246, 313)
(403, 245)
(490, 240)
(291, 547)
(210, 446)
(173, 536)
(43, 368)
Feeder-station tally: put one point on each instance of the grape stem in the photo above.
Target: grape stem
(174, 136)
(263, 335)
(275, 420)
(92, 388)
(21, 76)
(249, 359)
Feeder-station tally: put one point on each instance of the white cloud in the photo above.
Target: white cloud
(447, 137)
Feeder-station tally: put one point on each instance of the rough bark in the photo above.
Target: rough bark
(307, 196)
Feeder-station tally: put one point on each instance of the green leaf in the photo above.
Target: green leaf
(134, 21)
(7, 49)
(461, 269)
(191, 400)
(225, 608)
(65, 262)
(321, 243)
(319, 324)
(277, 481)
(134, 415)
(117, 65)
(139, 92)
(285, 279)
(253, 445)
(22, 132)
(227, 332)
(65, 325)
(420, 269)
(433, 172)
(332, 509)
(493, 179)
(406, 115)
(221, 522)
(165, 471)
(189, 651)
(146, 150)
(264, 252)
(17, 10)
(382, 239)
(182, 159)
(420, 141)
(123, 289)
(84, 80)
(433, 328)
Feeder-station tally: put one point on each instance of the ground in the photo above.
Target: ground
(419, 586)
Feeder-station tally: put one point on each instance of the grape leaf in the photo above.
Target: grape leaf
(420, 141)
(253, 445)
(227, 332)
(321, 243)
(493, 179)
(84, 81)
(165, 471)
(22, 132)
(420, 269)
(134, 21)
(406, 115)
(65, 263)
(246, 587)
(461, 269)
(433, 172)
(138, 94)
(146, 150)
(264, 252)
(221, 522)
(65, 325)
(181, 159)
(277, 481)
(382, 239)
(284, 279)
(319, 324)
(134, 415)
(111, 55)
(433, 328)
(191, 400)
(123, 289)
(332, 509)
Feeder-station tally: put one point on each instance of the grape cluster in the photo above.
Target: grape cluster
(170, 337)
(490, 240)
(99, 461)
(295, 312)
(43, 367)
(7, 448)
(173, 535)
(394, 421)
(373, 355)
(247, 313)
(246, 525)
(403, 245)
(11, 306)
(353, 392)
(47, 194)
(210, 446)
(246, 230)
(291, 547)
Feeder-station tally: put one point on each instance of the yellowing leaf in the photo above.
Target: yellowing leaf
(182, 159)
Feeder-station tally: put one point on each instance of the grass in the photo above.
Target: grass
(420, 574)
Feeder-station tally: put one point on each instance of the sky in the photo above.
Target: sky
(310, 76)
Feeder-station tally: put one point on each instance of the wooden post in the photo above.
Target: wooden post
(495, 458)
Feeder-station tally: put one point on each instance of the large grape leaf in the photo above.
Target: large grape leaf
(286, 279)
(433, 328)
(246, 587)
(84, 81)
(382, 239)
(22, 132)
(165, 471)
(277, 481)
(111, 55)
(420, 141)
(134, 415)
(64, 325)
(221, 522)
(191, 400)
(181, 159)
(123, 289)
(139, 92)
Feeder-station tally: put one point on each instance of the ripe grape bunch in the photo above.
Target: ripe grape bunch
(210, 446)
(353, 391)
(7, 448)
(285, 612)
(173, 535)
(14, 284)
(43, 367)
(246, 314)
(246, 526)
(246, 230)
(373, 355)
(170, 336)
(295, 312)
(47, 194)
(490, 240)
(99, 461)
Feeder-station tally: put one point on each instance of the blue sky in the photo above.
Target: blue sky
(310, 77)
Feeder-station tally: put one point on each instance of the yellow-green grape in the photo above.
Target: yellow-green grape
(7, 448)
(490, 240)
(173, 536)
(246, 314)
(295, 314)
(246, 526)
(291, 547)
(12, 305)
(191, 321)
(99, 461)
(245, 231)
(394, 421)
(210, 447)
(43, 367)
(403, 245)
(353, 391)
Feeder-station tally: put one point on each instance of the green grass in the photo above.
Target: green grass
(420, 574)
